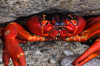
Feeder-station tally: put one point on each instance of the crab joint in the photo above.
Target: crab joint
(21, 54)
(12, 23)
(67, 39)
(43, 39)
(7, 32)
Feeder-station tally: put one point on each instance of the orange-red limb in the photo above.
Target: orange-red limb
(91, 31)
(15, 52)
(92, 21)
(5, 57)
(1, 31)
(12, 32)
(21, 41)
(88, 58)
(90, 53)
(21, 33)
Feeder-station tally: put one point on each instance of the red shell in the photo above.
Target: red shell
(56, 28)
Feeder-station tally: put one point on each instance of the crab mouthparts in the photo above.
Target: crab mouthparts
(58, 32)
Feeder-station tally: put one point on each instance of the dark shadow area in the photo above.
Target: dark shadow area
(90, 41)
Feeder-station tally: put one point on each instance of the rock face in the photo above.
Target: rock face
(52, 53)
(48, 53)
(12, 9)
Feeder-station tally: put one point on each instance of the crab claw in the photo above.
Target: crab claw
(15, 52)
(6, 57)
(12, 49)
(13, 35)
(90, 53)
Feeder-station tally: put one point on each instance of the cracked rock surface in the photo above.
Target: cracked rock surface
(12, 9)
(56, 53)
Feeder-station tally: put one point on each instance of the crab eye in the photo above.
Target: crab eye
(66, 22)
(70, 16)
(53, 21)
(74, 22)
(44, 22)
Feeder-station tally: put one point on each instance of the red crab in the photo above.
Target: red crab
(50, 27)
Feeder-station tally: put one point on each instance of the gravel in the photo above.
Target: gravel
(45, 53)
(56, 53)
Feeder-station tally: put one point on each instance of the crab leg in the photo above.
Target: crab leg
(89, 58)
(91, 31)
(12, 49)
(90, 53)
(92, 21)
(6, 57)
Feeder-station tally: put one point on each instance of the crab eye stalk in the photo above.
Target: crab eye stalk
(44, 22)
(53, 22)
(66, 22)
(74, 22)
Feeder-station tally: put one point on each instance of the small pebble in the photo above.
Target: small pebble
(68, 52)
(66, 44)
(37, 52)
(45, 50)
(54, 56)
(26, 52)
(52, 61)
(31, 47)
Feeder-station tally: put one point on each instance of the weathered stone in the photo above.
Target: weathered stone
(52, 61)
(12, 9)
(68, 52)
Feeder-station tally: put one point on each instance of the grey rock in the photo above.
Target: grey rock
(67, 61)
(26, 52)
(0, 58)
(31, 47)
(68, 52)
(49, 54)
(12, 9)
(52, 61)
(37, 52)
(78, 48)
(46, 51)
